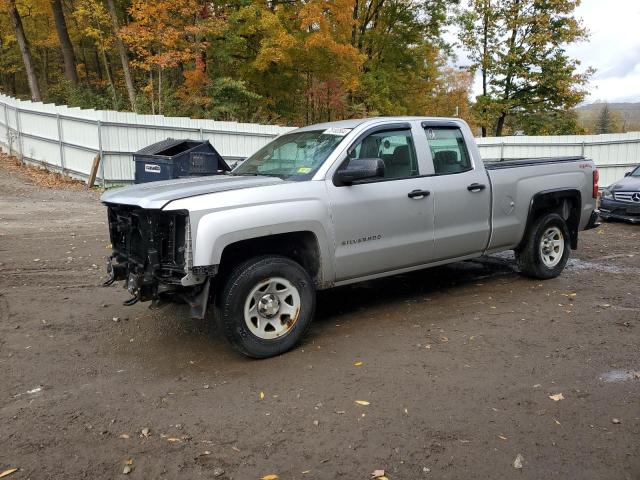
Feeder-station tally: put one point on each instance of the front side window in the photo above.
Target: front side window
(448, 150)
(293, 156)
(394, 147)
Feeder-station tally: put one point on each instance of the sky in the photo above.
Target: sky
(613, 49)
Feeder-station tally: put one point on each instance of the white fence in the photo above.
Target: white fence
(67, 139)
(614, 154)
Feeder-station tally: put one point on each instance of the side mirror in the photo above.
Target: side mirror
(359, 169)
(628, 174)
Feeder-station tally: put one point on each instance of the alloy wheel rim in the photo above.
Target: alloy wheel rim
(551, 247)
(272, 308)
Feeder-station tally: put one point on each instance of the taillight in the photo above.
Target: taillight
(596, 177)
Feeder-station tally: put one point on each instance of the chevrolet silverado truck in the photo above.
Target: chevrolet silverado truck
(333, 204)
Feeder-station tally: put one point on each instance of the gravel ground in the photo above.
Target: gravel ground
(458, 365)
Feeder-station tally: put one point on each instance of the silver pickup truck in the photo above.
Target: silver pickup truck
(338, 203)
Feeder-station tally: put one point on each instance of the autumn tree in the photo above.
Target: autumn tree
(66, 47)
(23, 44)
(122, 52)
(519, 47)
(164, 36)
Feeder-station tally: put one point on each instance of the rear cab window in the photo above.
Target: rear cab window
(448, 150)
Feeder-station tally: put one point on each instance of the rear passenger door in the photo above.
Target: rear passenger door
(461, 194)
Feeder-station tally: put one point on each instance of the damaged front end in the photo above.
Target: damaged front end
(152, 254)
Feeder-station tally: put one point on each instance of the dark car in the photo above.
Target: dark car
(621, 200)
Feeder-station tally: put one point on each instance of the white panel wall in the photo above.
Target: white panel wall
(614, 154)
(68, 139)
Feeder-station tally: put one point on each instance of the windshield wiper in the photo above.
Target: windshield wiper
(259, 175)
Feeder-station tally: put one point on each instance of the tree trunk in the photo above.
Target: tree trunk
(109, 78)
(65, 42)
(96, 59)
(500, 124)
(159, 90)
(16, 22)
(485, 62)
(124, 59)
(509, 77)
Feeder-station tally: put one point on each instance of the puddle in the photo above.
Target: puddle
(573, 264)
(615, 376)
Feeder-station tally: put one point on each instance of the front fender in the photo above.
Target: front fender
(219, 229)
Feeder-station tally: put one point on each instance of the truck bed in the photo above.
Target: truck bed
(513, 190)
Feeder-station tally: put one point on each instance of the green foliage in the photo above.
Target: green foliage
(519, 48)
(64, 93)
(302, 62)
(605, 122)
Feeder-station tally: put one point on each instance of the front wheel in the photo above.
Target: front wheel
(546, 249)
(266, 306)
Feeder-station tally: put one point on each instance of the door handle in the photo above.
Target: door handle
(418, 194)
(476, 187)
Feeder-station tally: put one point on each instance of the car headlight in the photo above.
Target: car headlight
(606, 193)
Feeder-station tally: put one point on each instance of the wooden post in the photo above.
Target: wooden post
(94, 171)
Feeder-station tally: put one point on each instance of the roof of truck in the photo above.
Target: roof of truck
(354, 122)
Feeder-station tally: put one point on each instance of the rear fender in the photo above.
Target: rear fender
(565, 202)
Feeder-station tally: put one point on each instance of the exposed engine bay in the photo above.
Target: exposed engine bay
(152, 254)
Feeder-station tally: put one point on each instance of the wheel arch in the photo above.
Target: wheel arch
(566, 202)
(301, 246)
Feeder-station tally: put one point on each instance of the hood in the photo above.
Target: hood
(155, 195)
(627, 184)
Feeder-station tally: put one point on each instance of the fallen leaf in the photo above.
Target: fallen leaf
(358, 364)
(557, 421)
(261, 395)
(377, 474)
(8, 472)
(304, 472)
(129, 462)
(173, 440)
(124, 435)
(126, 470)
(615, 421)
(502, 437)
(517, 463)
(272, 476)
(362, 402)
(556, 397)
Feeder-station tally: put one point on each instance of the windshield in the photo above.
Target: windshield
(293, 156)
(636, 172)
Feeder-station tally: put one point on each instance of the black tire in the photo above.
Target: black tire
(529, 257)
(230, 304)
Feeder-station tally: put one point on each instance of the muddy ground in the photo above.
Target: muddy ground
(458, 364)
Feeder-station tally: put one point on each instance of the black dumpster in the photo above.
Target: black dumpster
(173, 158)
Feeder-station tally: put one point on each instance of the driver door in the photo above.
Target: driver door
(385, 223)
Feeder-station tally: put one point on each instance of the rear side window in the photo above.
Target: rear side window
(448, 150)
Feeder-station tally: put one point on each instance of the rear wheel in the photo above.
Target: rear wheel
(546, 249)
(266, 305)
